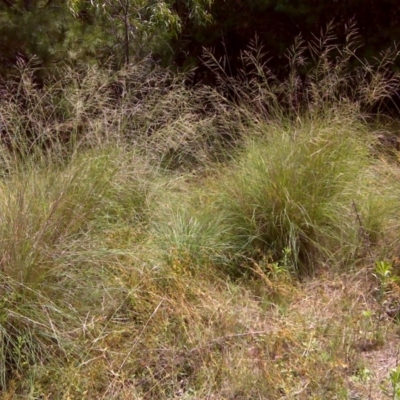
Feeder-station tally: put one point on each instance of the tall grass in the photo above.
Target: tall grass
(324, 77)
(46, 208)
(129, 201)
(293, 188)
(307, 167)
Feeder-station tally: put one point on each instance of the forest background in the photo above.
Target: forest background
(116, 32)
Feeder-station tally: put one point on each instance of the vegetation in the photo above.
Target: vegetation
(278, 22)
(174, 32)
(78, 32)
(161, 241)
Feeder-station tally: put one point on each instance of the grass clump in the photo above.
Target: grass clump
(192, 240)
(44, 205)
(293, 187)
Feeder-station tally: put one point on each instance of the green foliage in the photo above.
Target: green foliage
(80, 32)
(383, 270)
(395, 381)
(46, 32)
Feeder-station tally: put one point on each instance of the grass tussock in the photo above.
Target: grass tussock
(152, 235)
(295, 188)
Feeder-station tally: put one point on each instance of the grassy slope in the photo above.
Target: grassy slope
(230, 253)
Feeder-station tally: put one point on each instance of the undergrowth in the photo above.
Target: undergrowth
(164, 241)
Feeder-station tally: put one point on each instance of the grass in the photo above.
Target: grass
(297, 188)
(160, 241)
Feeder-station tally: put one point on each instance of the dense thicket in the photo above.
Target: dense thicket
(175, 31)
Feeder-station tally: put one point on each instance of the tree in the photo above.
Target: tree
(140, 27)
(87, 31)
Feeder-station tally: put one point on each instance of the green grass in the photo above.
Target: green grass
(294, 188)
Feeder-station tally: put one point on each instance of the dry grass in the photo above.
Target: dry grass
(154, 237)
